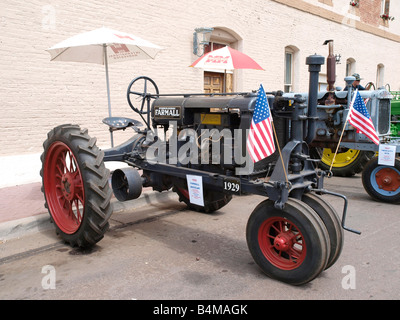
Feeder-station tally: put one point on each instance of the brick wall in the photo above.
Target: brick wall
(37, 94)
(370, 11)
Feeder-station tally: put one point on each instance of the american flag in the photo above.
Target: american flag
(260, 141)
(360, 119)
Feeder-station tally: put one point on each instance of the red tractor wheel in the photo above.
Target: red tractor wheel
(75, 185)
(291, 245)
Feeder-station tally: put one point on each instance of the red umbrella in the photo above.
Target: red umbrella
(226, 59)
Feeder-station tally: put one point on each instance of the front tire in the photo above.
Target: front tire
(290, 245)
(75, 185)
(332, 223)
(382, 182)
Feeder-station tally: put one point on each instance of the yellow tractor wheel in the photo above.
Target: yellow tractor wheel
(347, 163)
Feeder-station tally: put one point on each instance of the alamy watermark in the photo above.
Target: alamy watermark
(349, 280)
(48, 17)
(49, 280)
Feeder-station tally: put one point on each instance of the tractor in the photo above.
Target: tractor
(195, 145)
(395, 111)
(355, 153)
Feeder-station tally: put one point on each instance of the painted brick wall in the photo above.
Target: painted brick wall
(37, 94)
(371, 10)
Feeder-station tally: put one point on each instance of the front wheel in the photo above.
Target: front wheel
(291, 245)
(332, 223)
(75, 185)
(382, 182)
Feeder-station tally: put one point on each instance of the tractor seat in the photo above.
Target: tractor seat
(121, 123)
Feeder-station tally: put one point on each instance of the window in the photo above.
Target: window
(385, 7)
(380, 75)
(288, 71)
(291, 65)
(350, 66)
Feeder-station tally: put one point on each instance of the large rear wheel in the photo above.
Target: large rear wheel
(348, 162)
(291, 245)
(75, 185)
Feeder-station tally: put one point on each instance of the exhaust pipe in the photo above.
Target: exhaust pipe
(330, 66)
(314, 63)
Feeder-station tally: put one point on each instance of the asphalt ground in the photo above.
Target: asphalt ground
(158, 249)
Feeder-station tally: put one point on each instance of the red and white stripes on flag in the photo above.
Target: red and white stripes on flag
(260, 141)
(360, 119)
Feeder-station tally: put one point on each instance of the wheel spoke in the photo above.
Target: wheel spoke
(78, 215)
(64, 189)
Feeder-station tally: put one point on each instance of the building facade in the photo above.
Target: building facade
(37, 94)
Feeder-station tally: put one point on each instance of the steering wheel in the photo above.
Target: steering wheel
(142, 87)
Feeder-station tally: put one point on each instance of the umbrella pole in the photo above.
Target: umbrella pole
(224, 89)
(108, 91)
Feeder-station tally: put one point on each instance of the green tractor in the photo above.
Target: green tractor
(395, 112)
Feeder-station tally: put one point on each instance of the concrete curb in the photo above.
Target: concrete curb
(41, 222)
(17, 228)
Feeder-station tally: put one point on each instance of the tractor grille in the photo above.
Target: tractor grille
(384, 116)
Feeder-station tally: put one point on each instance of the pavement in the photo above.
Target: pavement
(22, 208)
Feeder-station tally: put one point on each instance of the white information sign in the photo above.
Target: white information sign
(195, 188)
(387, 155)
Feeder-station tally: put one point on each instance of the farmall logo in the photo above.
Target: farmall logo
(217, 59)
(167, 112)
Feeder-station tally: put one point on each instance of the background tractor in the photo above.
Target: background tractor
(357, 154)
(395, 110)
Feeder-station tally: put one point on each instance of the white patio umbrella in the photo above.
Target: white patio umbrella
(103, 46)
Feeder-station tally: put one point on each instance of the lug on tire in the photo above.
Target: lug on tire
(75, 185)
(291, 245)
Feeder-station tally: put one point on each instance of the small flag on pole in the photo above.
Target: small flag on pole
(360, 119)
(260, 141)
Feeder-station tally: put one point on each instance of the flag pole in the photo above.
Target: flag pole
(341, 135)
(279, 150)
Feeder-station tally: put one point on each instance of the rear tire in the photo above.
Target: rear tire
(347, 163)
(75, 185)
